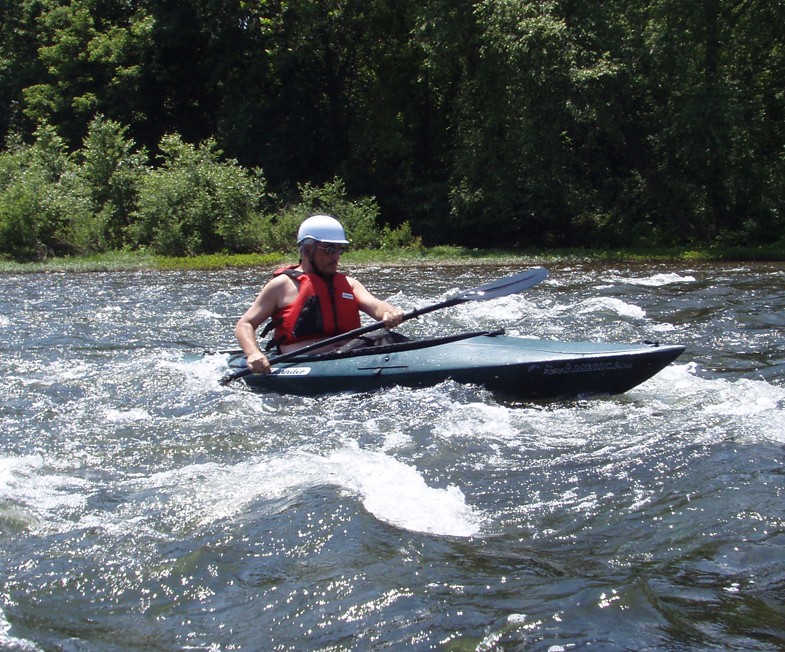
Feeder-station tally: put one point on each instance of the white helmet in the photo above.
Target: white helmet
(322, 228)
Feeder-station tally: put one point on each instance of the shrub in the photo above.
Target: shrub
(43, 206)
(111, 169)
(195, 203)
(400, 238)
(358, 216)
(20, 217)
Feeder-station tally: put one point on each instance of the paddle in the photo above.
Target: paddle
(501, 288)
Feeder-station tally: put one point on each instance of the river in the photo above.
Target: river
(145, 507)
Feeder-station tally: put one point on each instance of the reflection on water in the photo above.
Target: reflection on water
(145, 507)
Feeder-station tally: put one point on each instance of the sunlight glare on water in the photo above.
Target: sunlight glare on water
(144, 507)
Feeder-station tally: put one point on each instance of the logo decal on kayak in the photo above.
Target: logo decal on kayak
(291, 371)
(586, 367)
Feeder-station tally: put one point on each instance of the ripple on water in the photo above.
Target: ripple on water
(142, 502)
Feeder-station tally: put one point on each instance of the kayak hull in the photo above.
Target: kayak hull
(520, 367)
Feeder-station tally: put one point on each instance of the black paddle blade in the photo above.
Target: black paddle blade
(225, 380)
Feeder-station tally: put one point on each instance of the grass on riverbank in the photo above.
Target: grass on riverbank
(443, 255)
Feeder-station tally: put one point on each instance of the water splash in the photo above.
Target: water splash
(392, 491)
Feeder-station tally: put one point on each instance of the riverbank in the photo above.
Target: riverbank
(443, 255)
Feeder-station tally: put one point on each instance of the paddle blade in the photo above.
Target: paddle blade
(505, 286)
(225, 380)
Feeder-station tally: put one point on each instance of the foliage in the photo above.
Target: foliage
(43, 208)
(195, 203)
(95, 56)
(105, 197)
(359, 218)
(111, 170)
(484, 123)
(400, 238)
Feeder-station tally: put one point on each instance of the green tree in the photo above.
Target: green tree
(314, 90)
(19, 64)
(94, 55)
(491, 122)
(722, 63)
(615, 122)
(502, 70)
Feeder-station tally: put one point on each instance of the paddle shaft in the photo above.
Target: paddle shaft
(503, 287)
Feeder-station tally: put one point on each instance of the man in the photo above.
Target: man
(310, 301)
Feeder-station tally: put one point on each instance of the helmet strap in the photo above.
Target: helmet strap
(309, 257)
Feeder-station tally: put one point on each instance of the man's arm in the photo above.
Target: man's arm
(265, 304)
(379, 310)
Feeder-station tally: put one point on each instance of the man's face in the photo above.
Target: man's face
(326, 257)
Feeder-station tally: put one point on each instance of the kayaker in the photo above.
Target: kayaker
(311, 300)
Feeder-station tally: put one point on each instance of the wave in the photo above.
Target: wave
(11, 643)
(739, 408)
(175, 502)
(655, 280)
(394, 492)
(610, 305)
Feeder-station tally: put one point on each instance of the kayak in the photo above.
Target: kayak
(519, 367)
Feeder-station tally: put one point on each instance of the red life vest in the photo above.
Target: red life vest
(324, 307)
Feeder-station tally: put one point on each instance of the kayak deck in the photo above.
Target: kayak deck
(520, 367)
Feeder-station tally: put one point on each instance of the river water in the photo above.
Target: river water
(145, 507)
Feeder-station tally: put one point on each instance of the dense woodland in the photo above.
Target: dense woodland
(192, 126)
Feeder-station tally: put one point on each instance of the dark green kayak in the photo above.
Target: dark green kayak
(520, 367)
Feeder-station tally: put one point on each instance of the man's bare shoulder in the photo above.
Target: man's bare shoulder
(282, 288)
(281, 280)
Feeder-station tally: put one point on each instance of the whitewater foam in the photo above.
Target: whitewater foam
(755, 406)
(655, 280)
(41, 499)
(392, 491)
(11, 643)
(612, 305)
